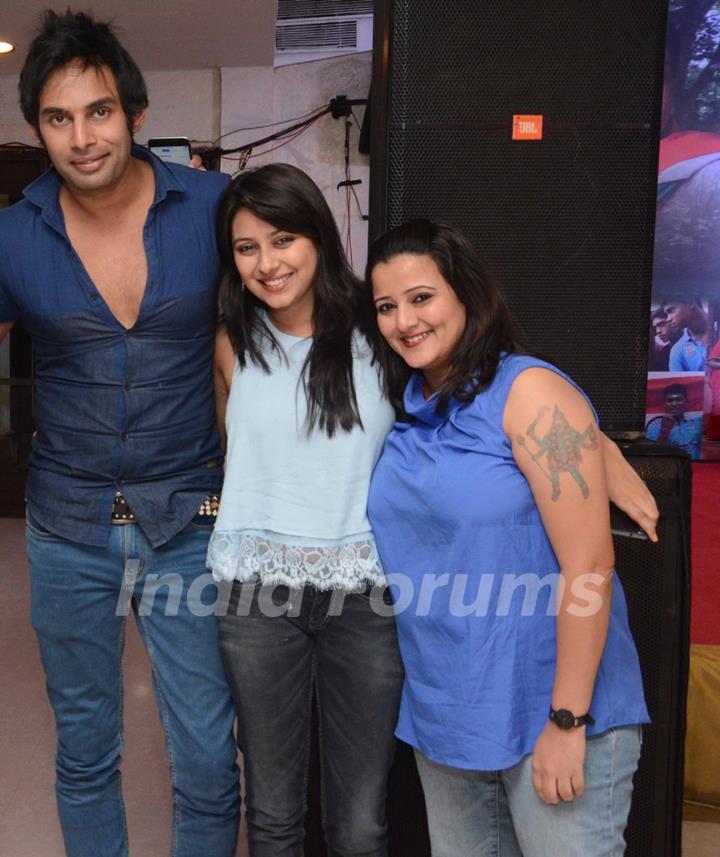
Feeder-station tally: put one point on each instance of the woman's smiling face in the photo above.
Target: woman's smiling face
(277, 266)
(419, 314)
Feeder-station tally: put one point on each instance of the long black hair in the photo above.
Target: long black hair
(287, 198)
(489, 328)
(70, 37)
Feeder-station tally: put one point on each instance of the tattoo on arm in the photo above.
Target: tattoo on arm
(562, 447)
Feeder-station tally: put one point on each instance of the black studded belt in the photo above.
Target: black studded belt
(122, 513)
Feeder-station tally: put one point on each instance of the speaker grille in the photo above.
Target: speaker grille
(566, 222)
(579, 62)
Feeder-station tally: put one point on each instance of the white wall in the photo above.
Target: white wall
(12, 125)
(256, 96)
(202, 104)
(182, 104)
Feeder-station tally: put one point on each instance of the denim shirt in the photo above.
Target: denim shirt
(118, 409)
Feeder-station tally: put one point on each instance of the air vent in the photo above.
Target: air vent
(289, 10)
(316, 35)
(305, 39)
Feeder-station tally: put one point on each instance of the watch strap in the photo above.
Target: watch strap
(567, 720)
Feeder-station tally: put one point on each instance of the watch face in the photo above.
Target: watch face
(565, 719)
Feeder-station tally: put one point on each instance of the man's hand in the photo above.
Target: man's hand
(627, 490)
(558, 764)
(197, 164)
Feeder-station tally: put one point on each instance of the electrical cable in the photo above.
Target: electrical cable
(280, 134)
(243, 159)
(339, 106)
(267, 125)
(359, 207)
(215, 152)
(285, 142)
(348, 187)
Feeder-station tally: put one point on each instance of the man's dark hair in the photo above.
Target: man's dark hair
(76, 37)
(673, 389)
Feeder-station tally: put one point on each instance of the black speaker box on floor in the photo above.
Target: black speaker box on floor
(656, 580)
(565, 222)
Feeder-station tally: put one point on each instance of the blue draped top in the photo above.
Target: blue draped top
(475, 577)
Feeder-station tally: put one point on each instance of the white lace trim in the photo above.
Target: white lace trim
(236, 555)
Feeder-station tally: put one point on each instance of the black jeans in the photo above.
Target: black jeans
(351, 657)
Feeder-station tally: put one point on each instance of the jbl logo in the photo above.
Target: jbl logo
(527, 127)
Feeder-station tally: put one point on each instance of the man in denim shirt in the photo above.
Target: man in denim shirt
(109, 261)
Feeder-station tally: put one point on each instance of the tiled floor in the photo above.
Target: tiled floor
(28, 823)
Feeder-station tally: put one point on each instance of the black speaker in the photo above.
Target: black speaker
(565, 222)
(656, 580)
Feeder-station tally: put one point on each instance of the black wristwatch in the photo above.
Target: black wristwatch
(565, 719)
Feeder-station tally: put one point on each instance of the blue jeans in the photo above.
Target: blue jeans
(272, 663)
(80, 599)
(498, 814)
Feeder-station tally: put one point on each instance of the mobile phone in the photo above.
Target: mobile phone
(175, 150)
(623, 525)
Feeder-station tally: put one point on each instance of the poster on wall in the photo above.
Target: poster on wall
(684, 335)
(674, 409)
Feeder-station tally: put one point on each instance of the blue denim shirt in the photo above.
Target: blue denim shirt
(118, 409)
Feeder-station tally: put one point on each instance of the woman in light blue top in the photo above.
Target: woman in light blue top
(306, 419)
(523, 695)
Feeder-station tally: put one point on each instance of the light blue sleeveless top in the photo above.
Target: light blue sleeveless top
(294, 504)
(457, 528)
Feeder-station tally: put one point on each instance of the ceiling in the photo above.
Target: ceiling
(162, 34)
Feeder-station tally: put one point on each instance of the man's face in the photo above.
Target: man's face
(660, 326)
(678, 317)
(675, 404)
(84, 128)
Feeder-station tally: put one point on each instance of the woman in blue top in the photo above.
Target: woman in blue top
(489, 504)
(306, 419)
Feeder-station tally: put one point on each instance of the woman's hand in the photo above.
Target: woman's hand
(627, 490)
(558, 764)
